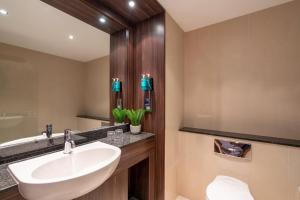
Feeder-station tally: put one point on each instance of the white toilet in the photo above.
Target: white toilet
(228, 188)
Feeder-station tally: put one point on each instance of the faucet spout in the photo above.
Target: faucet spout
(48, 131)
(69, 143)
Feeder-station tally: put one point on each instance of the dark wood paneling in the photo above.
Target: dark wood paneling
(11, 194)
(121, 66)
(135, 153)
(138, 182)
(149, 57)
(117, 13)
(143, 9)
(90, 12)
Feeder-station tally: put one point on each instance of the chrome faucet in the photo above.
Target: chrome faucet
(48, 131)
(69, 143)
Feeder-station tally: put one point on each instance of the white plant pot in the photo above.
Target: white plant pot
(118, 124)
(135, 129)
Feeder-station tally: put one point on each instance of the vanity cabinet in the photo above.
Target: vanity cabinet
(134, 176)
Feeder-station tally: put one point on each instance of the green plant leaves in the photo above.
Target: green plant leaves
(135, 116)
(119, 115)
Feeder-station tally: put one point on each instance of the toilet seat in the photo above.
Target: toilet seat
(228, 188)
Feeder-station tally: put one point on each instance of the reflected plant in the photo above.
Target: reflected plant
(119, 115)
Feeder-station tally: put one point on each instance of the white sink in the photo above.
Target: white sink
(66, 176)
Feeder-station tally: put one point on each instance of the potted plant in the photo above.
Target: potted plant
(135, 117)
(119, 116)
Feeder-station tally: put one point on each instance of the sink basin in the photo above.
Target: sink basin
(66, 176)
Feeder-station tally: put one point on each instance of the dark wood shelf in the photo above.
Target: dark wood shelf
(93, 117)
(257, 138)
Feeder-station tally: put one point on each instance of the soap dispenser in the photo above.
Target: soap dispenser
(147, 88)
(117, 88)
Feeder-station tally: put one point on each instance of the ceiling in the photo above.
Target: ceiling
(37, 26)
(142, 10)
(193, 14)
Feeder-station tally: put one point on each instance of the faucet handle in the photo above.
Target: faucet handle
(49, 130)
(69, 143)
(67, 134)
(73, 145)
(49, 127)
(44, 134)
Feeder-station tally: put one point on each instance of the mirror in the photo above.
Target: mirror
(54, 69)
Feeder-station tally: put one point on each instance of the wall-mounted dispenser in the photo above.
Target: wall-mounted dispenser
(117, 88)
(147, 87)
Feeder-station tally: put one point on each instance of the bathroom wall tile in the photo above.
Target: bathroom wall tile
(34, 92)
(174, 103)
(272, 173)
(241, 75)
(171, 180)
(294, 173)
(96, 87)
(196, 160)
(268, 177)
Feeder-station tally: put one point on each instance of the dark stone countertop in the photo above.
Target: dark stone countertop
(7, 181)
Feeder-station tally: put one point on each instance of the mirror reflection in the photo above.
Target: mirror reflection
(54, 73)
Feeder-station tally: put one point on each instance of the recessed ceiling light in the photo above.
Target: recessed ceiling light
(131, 4)
(102, 20)
(3, 12)
(71, 37)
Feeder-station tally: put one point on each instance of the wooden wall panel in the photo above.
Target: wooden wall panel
(149, 57)
(11, 194)
(138, 177)
(121, 66)
(90, 11)
(143, 9)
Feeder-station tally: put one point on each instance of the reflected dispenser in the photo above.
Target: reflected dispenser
(117, 88)
(147, 88)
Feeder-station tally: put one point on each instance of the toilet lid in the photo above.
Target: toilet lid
(228, 188)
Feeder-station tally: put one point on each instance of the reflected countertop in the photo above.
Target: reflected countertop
(127, 138)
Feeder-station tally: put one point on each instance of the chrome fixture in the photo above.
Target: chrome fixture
(233, 149)
(48, 131)
(69, 143)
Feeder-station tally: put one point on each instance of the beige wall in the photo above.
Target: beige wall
(53, 88)
(272, 174)
(85, 124)
(96, 93)
(242, 75)
(174, 103)
(48, 89)
(18, 96)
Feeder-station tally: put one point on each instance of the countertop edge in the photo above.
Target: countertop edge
(148, 136)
